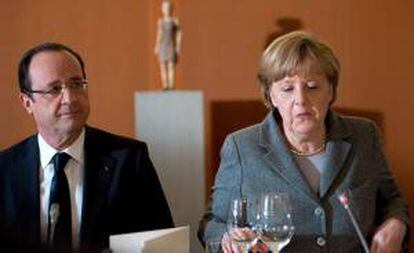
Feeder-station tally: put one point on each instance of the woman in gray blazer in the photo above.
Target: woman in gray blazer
(307, 150)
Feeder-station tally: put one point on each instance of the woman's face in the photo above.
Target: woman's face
(302, 101)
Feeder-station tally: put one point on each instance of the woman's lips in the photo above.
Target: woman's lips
(303, 114)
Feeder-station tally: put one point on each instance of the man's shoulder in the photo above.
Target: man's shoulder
(22, 147)
(103, 139)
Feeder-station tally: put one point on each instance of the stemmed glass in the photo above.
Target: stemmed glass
(274, 221)
(213, 246)
(240, 221)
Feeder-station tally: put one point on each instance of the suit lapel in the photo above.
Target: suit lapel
(283, 163)
(98, 170)
(279, 157)
(336, 152)
(26, 190)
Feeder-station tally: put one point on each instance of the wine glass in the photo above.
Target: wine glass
(239, 223)
(274, 221)
(213, 246)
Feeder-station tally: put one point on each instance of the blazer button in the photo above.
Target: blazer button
(321, 241)
(318, 211)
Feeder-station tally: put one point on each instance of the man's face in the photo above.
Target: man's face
(58, 118)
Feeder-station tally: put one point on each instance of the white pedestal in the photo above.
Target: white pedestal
(172, 124)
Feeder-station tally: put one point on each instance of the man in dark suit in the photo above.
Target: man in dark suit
(106, 184)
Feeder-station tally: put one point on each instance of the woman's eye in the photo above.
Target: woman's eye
(286, 88)
(312, 85)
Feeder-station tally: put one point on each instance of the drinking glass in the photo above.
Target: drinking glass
(240, 221)
(274, 221)
(213, 246)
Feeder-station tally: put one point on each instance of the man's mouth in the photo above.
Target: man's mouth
(68, 113)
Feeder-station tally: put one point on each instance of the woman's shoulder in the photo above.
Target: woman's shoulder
(357, 124)
(357, 120)
(267, 128)
(247, 133)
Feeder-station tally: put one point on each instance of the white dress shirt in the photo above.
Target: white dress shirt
(74, 172)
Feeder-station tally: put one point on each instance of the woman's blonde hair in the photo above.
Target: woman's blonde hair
(296, 53)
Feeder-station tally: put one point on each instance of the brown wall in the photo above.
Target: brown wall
(222, 41)
(112, 36)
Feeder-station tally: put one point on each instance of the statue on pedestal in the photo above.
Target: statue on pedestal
(168, 44)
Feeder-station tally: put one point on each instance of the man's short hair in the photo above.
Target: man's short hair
(25, 83)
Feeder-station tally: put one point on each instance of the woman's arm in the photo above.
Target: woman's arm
(392, 210)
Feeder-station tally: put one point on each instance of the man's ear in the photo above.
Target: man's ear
(26, 101)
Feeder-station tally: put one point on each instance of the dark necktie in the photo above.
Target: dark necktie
(60, 225)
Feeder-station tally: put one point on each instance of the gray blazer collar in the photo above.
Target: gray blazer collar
(282, 161)
(338, 147)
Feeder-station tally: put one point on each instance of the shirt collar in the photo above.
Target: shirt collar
(75, 150)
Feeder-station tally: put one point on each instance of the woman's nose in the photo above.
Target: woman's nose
(300, 97)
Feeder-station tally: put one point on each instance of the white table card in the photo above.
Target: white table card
(172, 240)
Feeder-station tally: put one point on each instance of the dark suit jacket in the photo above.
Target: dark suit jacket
(122, 192)
(257, 160)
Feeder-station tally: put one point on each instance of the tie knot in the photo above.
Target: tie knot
(59, 161)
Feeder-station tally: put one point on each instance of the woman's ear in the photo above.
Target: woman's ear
(331, 94)
(272, 95)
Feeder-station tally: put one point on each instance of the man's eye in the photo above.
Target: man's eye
(55, 90)
(76, 84)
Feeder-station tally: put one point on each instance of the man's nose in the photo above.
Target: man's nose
(67, 94)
